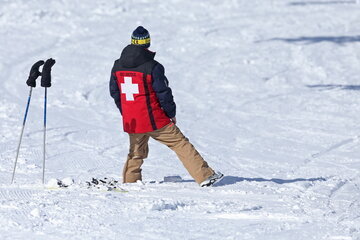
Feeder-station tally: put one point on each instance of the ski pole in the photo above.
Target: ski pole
(31, 82)
(44, 145)
(21, 135)
(46, 82)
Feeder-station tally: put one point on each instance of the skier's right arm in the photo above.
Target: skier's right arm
(115, 91)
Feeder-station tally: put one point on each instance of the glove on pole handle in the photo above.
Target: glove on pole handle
(21, 135)
(34, 73)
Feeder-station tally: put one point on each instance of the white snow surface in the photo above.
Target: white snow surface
(268, 92)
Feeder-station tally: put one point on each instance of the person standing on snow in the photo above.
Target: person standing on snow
(142, 94)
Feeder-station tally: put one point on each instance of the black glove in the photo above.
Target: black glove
(46, 73)
(34, 73)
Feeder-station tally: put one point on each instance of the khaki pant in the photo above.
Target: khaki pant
(171, 136)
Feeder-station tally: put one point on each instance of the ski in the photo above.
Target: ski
(96, 184)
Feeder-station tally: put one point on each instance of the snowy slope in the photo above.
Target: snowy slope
(268, 91)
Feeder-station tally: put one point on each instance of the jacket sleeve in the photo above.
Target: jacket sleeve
(161, 87)
(115, 91)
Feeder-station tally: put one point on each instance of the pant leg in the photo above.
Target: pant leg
(171, 136)
(138, 151)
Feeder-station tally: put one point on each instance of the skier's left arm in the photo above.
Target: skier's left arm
(115, 91)
(160, 85)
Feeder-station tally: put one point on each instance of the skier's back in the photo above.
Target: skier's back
(141, 92)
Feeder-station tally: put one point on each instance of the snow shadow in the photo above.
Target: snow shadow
(341, 40)
(229, 180)
(321, 3)
(334, 86)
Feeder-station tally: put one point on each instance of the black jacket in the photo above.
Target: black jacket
(133, 56)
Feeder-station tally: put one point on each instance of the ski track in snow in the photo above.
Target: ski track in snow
(267, 92)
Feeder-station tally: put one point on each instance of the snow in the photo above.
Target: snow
(268, 92)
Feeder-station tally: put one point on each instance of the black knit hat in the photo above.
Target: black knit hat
(140, 37)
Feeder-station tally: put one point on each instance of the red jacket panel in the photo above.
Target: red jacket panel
(141, 109)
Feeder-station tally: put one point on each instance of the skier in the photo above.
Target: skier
(142, 94)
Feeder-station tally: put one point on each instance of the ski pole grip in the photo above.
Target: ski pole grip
(34, 73)
(46, 73)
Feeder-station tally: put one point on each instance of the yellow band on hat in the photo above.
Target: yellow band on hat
(140, 41)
